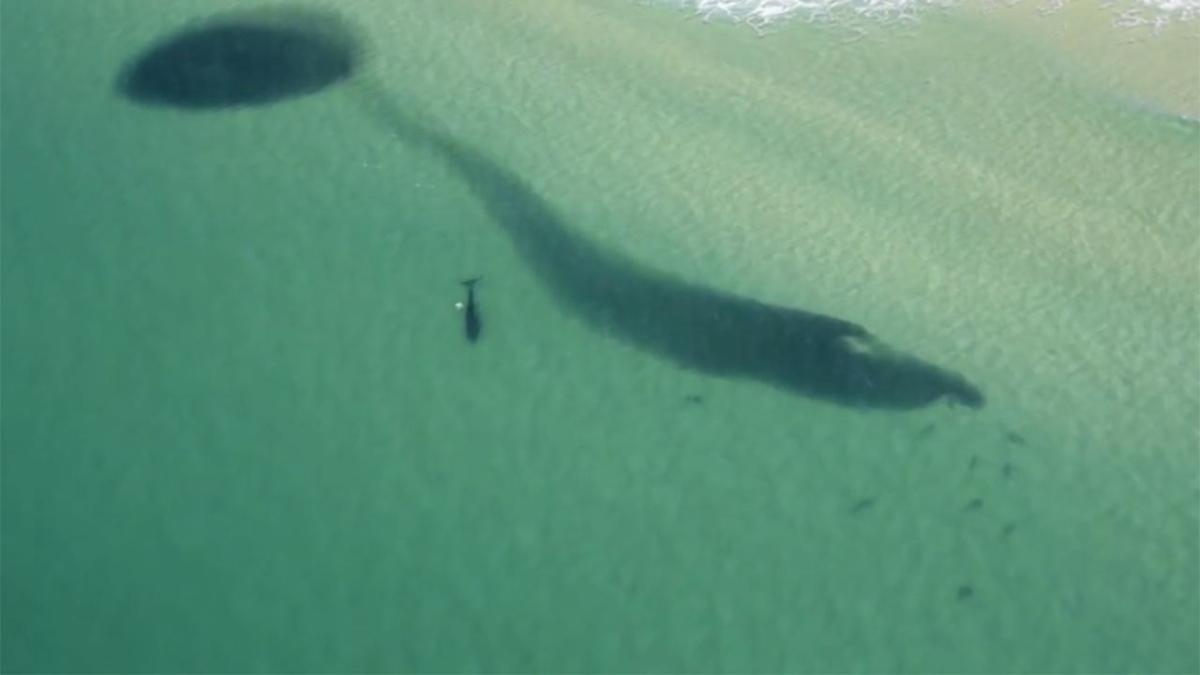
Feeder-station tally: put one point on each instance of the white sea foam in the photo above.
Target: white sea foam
(762, 15)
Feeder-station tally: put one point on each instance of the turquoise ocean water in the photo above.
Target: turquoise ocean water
(242, 430)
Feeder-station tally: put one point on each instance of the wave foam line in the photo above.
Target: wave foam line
(761, 15)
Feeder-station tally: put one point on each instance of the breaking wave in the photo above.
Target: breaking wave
(764, 15)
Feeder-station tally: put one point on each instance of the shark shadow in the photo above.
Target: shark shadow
(699, 328)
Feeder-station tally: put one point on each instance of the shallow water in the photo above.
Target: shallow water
(243, 429)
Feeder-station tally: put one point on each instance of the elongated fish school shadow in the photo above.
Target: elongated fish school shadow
(262, 56)
(696, 327)
(243, 58)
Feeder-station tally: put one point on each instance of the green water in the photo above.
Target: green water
(242, 430)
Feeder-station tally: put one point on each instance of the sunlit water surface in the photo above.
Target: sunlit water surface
(243, 429)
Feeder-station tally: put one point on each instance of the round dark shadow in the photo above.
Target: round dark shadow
(251, 58)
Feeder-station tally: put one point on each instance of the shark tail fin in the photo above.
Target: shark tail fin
(470, 283)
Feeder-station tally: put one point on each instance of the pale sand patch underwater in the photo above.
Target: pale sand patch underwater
(1149, 47)
(1159, 65)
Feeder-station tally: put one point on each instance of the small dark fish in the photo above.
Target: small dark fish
(694, 398)
(473, 323)
(974, 505)
(926, 430)
(1007, 470)
(1009, 528)
(862, 505)
(1014, 438)
(965, 592)
(973, 463)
